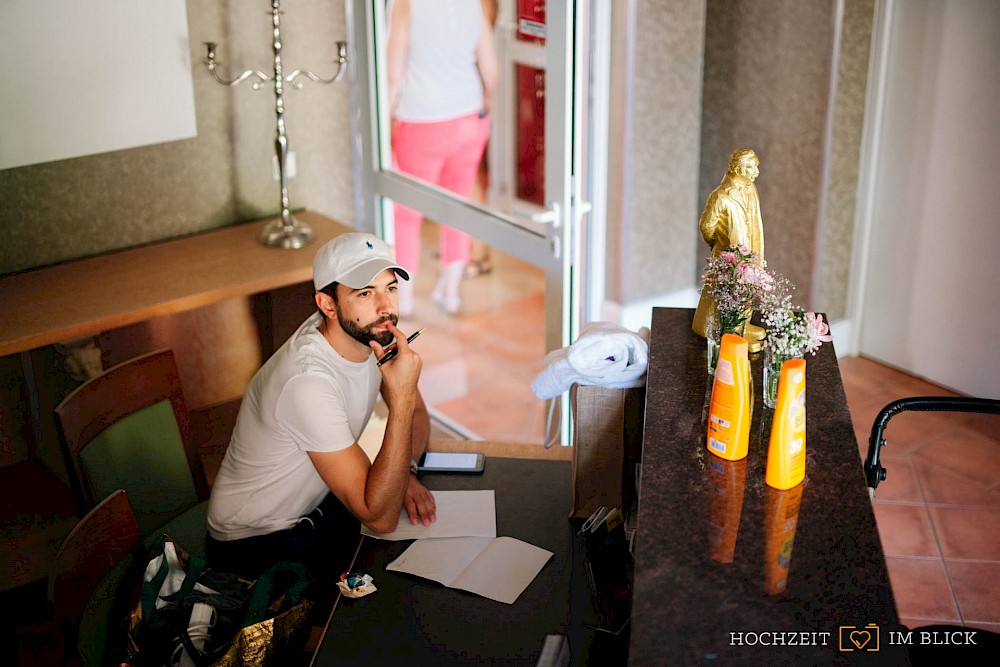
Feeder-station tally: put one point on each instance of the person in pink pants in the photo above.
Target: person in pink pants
(446, 153)
(442, 68)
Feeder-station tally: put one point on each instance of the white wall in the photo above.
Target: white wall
(930, 304)
(123, 65)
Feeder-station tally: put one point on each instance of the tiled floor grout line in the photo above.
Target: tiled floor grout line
(937, 541)
(954, 595)
(934, 559)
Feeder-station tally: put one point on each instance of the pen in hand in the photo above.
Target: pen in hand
(392, 352)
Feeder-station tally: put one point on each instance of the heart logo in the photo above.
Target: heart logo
(860, 638)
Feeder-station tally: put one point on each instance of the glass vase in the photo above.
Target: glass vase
(772, 373)
(715, 327)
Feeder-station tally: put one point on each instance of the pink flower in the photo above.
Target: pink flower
(728, 256)
(821, 328)
(756, 276)
(818, 331)
(744, 250)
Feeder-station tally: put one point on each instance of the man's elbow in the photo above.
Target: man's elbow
(384, 524)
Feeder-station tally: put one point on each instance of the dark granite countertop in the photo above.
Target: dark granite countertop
(712, 538)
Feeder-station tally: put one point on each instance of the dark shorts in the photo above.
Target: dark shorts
(324, 541)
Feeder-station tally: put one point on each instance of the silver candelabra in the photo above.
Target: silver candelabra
(286, 232)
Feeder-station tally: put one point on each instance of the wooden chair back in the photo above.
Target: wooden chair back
(104, 538)
(118, 392)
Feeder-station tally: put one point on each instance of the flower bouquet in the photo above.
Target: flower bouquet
(791, 333)
(738, 283)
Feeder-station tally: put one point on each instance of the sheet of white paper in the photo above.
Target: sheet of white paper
(442, 559)
(499, 569)
(503, 569)
(459, 514)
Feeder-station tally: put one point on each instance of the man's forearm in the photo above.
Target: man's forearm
(421, 429)
(390, 471)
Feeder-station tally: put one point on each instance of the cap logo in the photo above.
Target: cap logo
(369, 244)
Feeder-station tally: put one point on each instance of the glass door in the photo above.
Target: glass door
(531, 210)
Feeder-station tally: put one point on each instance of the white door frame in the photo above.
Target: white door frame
(555, 245)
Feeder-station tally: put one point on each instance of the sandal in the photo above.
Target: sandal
(450, 304)
(478, 267)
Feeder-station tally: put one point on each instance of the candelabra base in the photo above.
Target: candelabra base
(286, 232)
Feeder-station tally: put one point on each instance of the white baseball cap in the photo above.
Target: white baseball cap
(354, 260)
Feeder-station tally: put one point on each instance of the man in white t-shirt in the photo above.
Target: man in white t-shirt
(294, 482)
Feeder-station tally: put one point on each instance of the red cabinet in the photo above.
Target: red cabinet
(531, 20)
(531, 134)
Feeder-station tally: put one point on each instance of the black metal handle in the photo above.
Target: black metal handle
(874, 472)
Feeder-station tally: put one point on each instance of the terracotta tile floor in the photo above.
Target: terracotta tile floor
(938, 510)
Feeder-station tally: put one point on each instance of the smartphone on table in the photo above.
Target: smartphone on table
(461, 462)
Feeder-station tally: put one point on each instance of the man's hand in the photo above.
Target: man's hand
(419, 503)
(400, 375)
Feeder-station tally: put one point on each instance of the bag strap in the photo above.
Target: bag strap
(551, 432)
(196, 565)
(151, 589)
(199, 657)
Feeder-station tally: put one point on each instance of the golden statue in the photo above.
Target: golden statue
(732, 217)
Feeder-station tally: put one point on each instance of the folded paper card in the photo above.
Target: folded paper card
(459, 514)
(498, 568)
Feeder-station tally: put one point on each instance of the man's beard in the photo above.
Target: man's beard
(365, 334)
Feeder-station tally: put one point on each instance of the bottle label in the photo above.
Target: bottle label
(717, 445)
(720, 421)
(798, 412)
(724, 372)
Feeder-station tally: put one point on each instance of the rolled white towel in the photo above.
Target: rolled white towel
(605, 354)
(556, 377)
(611, 356)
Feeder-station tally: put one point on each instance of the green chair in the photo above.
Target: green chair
(95, 574)
(129, 428)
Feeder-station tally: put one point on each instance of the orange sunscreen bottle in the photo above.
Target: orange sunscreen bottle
(729, 411)
(786, 452)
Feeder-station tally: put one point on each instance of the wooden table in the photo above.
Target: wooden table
(730, 571)
(85, 297)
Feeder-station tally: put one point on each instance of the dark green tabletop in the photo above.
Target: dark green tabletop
(414, 621)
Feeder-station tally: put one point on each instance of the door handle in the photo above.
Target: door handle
(549, 216)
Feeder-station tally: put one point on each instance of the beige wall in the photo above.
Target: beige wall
(836, 242)
(654, 140)
(711, 76)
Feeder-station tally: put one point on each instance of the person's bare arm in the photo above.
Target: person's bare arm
(419, 503)
(398, 47)
(421, 427)
(486, 61)
(376, 493)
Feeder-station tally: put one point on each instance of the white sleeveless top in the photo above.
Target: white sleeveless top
(441, 81)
